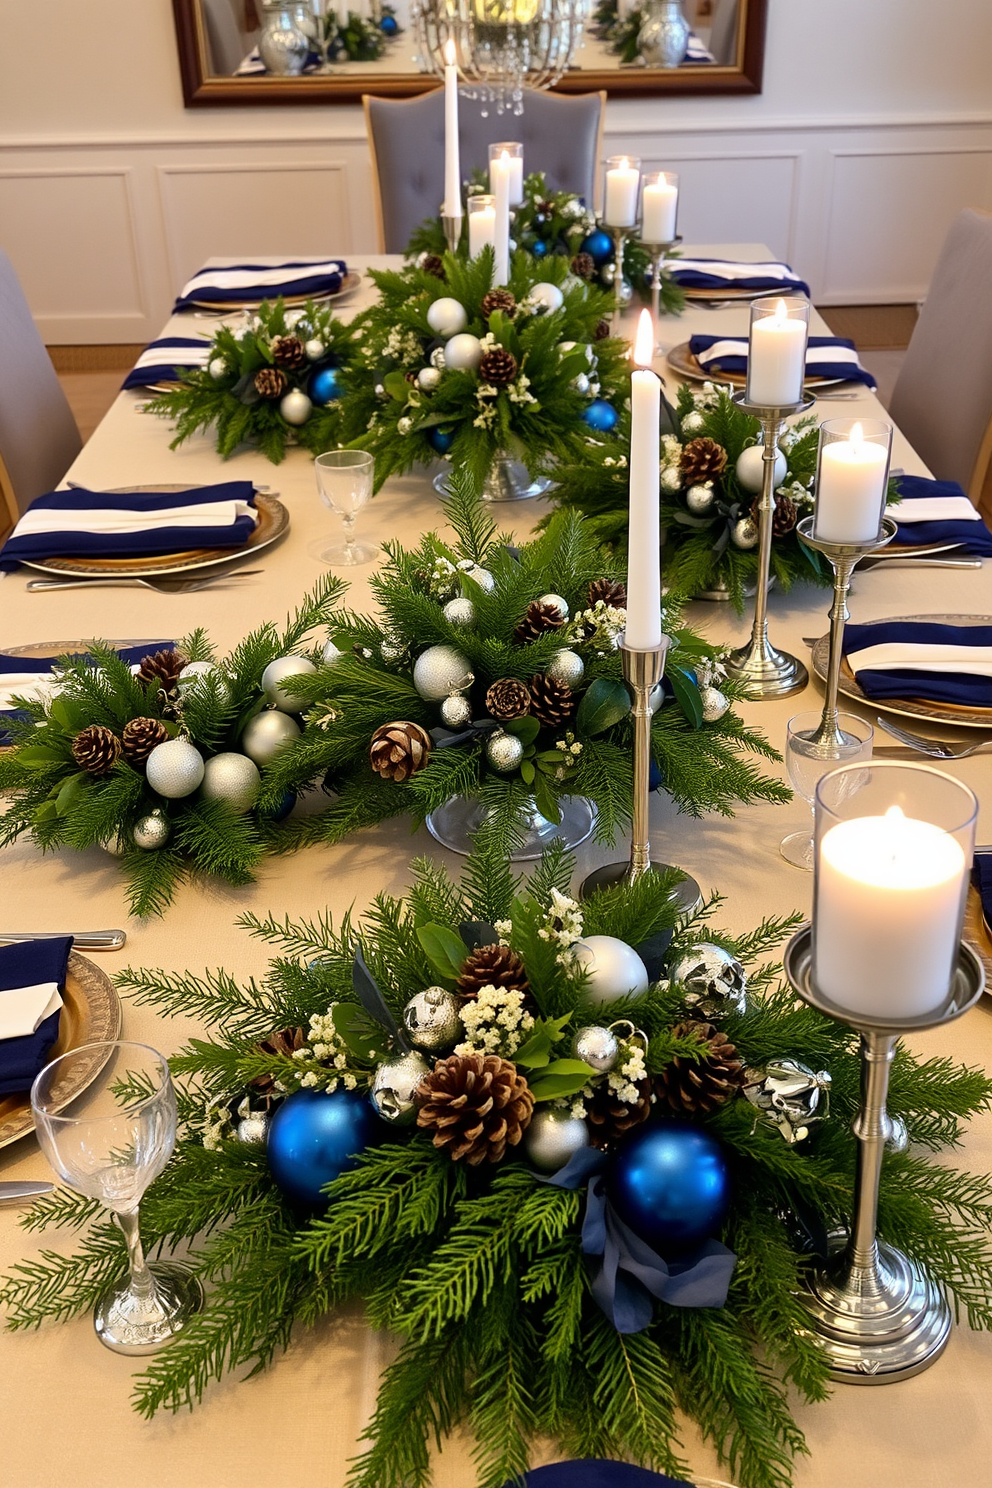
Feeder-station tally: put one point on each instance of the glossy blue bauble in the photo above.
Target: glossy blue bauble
(280, 812)
(601, 416)
(540, 248)
(325, 386)
(669, 1182)
(655, 777)
(389, 25)
(441, 440)
(599, 246)
(315, 1136)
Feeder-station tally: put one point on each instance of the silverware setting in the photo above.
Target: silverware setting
(162, 586)
(922, 563)
(22, 1191)
(83, 940)
(933, 747)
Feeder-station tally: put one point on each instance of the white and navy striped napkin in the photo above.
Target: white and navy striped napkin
(930, 511)
(725, 273)
(238, 284)
(166, 360)
(35, 678)
(927, 659)
(32, 979)
(826, 356)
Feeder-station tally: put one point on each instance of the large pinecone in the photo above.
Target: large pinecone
(702, 460)
(497, 299)
(476, 1105)
(539, 618)
(695, 1089)
(433, 265)
(611, 591)
(96, 749)
(162, 667)
(551, 702)
(508, 698)
(584, 265)
(498, 367)
(491, 966)
(287, 352)
(282, 1041)
(399, 750)
(140, 737)
(784, 517)
(271, 383)
(609, 1117)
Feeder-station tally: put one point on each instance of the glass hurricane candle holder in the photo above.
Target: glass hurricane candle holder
(515, 154)
(659, 228)
(621, 194)
(776, 358)
(852, 474)
(481, 224)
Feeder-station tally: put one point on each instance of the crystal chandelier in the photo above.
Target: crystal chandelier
(502, 46)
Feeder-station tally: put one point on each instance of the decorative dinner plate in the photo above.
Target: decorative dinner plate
(952, 713)
(349, 284)
(682, 361)
(728, 292)
(91, 1014)
(272, 524)
(44, 650)
(908, 550)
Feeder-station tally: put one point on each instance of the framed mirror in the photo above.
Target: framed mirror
(332, 51)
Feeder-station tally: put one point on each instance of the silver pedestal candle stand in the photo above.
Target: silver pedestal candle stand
(659, 252)
(619, 236)
(643, 671)
(768, 672)
(875, 1312)
(452, 231)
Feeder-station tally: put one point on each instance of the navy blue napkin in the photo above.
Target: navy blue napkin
(975, 537)
(24, 965)
(31, 665)
(935, 686)
(176, 352)
(732, 357)
(218, 284)
(981, 877)
(596, 1472)
(705, 273)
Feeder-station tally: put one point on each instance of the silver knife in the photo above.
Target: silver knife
(84, 940)
(23, 1192)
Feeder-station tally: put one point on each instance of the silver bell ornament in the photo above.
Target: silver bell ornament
(233, 779)
(566, 666)
(394, 1085)
(555, 602)
(432, 1019)
(447, 317)
(744, 533)
(267, 733)
(613, 968)
(552, 1137)
(463, 352)
(715, 982)
(441, 670)
(713, 702)
(456, 711)
(460, 612)
(597, 1046)
(313, 350)
(750, 467)
(504, 751)
(428, 379)
(699, 499)
(791, 1095)
(296, 407)
(152, 830)
(274, 677)
(174, 769)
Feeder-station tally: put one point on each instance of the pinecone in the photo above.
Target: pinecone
(602, 330)
(584, 265)
(611, 591)
(491, 966)
(283, 1041)
(539, 618)
(477, 1105)
(609, 1117)
(433, 265)
(784, 517)
(287, 352)
(271, 382)
(162, 667)
(497, 299)
(695, 1089)
(551, 702)
(96, 749)
(702, 460)
(140, 737)
(508, 699)
(498, 367)
(399, 750)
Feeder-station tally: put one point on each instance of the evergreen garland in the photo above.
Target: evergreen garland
(621, 33)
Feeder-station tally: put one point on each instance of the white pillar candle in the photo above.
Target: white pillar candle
(850, 489)
(887, 916)
(501, 242)
(776, 359)
(621, 195)
(481, 230)
(516, 165)
(659, 204)
(643, 536)
(452, 159)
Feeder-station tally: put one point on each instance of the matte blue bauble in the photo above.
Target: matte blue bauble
(315, 1136)
(325, 386)
(601, 416)
(389, 25)
(669, 1183)
(599, 246)
(441, 440)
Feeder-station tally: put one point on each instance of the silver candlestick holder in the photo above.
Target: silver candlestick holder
(876, 1313)
(619, 236)
(643, 671)
(452, 231)
(659, 252)
(768, 672)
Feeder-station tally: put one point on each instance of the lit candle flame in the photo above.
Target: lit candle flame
(781, 313)
(644, 341)
(624, 163)
(895, 813)
(857, 436)
(449, 52)
(504, 158)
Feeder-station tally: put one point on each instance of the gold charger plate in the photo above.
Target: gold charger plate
(272, 524)
(349, 284)
(682, 361)
(729, 292)
(91, 1014)
(952, 713)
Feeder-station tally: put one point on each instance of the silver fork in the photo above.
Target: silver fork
(161, 586)
(932, 747)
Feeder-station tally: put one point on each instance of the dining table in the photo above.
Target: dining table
(65, 1409)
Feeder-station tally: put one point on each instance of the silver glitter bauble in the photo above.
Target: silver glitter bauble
(314, 350)
(463, 352)
(750, 467)
(253, 1128)
(437, 358)
(699, 499)
(614, 969)
(567, 667)
(608, 274)
(296, 407)
(267, 733)
(393, 1086)
(432, 1019)
(548, 296)
(552, 1137)
(217, 368)
(446, 317)
(428, 379)
(233, 779)
(597, 1046)
(693, 423)
(460, 612)
(274, 677)
(504, 751)
(330, 653)
(392, 649)
(456, 711)
(152, 830)
(440, 671)
(714, 981)
(744, 533)
(791, 1095)
(713, 702)
(193, 671)
(174, 769)
(671, 479)
(556, 603)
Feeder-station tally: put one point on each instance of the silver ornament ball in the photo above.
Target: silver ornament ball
(699, 499)
(433, 1021)
(504, 751)
(440, 671)
(750, 467)
(613, 968)
(555, 602)
(581, 383)
(193, 673)
(296, 407)
(463, 352)
(548, 297)
(460, 612)
(714, 704)
(314, 350)
(480, 576)
(552, 1137)
(597, 1046)
(456, 711)
(174, 769)
(267, 733)
(392, 649)
(152, 830)
(566, 666)
(393, 1087)
(744, 533)
(791, 1095)
(671, 479)
(447, 317)
(428, 379)
(714, 981)
(233, 779)
(114, 844)
(253, 1128)
(274, 678)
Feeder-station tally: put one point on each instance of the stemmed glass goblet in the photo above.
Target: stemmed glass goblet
(344, 482)
(807, 764)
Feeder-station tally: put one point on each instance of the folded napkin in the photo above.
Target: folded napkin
(166, 360)
(33, 974)
(697, 51)
(725, 273)
(826, 356)
(241, 282)
(981, 877)
(253, 66)
(922, 659)
(598, 1473)
(31, 678)
(930, 511)
(94, 524)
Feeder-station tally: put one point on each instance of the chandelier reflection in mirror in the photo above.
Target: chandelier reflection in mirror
(502, 46)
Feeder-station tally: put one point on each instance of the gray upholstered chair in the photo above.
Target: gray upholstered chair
(942, 400)
(228, 47)
(38, 435)
(723, 31)
(560, 135)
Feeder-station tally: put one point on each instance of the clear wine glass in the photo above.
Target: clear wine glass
(344, 481)
(110, 1146)
(807, 767)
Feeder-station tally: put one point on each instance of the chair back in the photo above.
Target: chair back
(227, 45)
(723, 31)
(561, 136)
(38, 435)
(942, 399)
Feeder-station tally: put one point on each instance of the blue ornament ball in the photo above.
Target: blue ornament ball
(669, 1182)
(540, 248)
(389, 25)
(655, 777)
(325, 386)
(314, 1136)
(601, 416)
(280, 812)
(599, 246)
(441, 440)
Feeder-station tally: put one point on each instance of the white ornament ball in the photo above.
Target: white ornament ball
(567, 667)
(671, 478)
(614, 969)
(274, 677)
(460, 612)
(152, 831)
(693, 422)
(751, 465)
(267, 733)
(446, 317)
(314, 350)
(548, 296)
(463, 353)
(428, 379)
(440, 671)
(174, 769)
(596, 1046)
(480, 576)
(217, 369)
(552, 1137)
(193, 671)
(744, 533)
(699, 499)
(233, 779)
(556, 603)
(456, 711)
(437, 358)
(504, 751)
(713, 702)
(296, 407)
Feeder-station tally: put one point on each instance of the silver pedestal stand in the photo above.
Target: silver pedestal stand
(643, 671)
(619, 236)
(659, 252)
(768, 672)
(877, 1314)
(452, 231)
